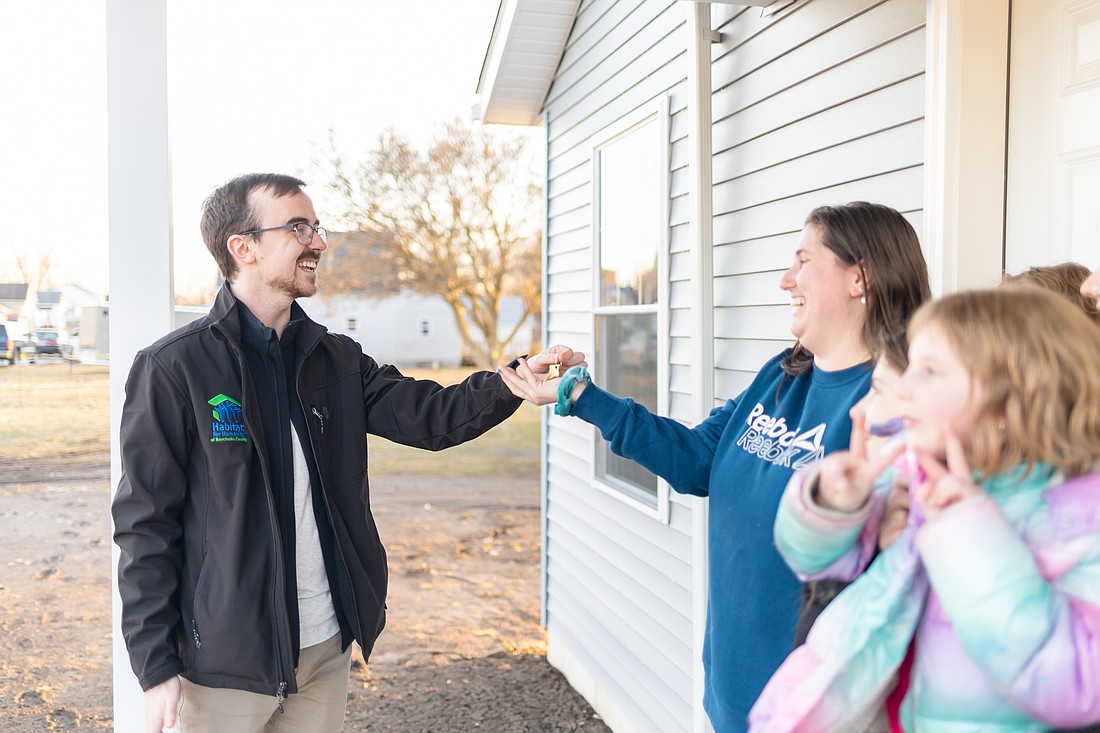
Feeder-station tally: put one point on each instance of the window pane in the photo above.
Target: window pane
(627, 345)
(630, 217)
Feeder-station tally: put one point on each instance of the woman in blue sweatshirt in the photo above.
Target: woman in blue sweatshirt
(857, 274)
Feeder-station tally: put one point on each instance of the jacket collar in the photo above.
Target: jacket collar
(226, 316)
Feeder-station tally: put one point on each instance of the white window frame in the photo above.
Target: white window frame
(654, 111)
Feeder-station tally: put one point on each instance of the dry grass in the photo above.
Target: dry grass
(54, 411)
(60, 411)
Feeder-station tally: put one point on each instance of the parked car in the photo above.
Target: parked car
(51, 341)
(23, 341)
(7, 346)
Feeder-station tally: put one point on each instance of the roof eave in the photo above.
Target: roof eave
(528, 39)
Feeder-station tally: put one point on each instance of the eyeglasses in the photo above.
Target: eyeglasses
(304, 232)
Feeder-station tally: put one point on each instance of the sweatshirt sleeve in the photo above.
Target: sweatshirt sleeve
(680, 455)
(1038, 640)
(155, 435)
(819, 543)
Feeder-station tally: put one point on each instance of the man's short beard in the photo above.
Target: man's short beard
(291, 287)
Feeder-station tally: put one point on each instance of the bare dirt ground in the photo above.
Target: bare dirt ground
(463, 650)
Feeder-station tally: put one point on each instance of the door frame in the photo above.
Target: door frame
(966, 118)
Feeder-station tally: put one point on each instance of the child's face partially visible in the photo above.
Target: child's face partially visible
(1090, 288)
(880, 407)
(938, 393)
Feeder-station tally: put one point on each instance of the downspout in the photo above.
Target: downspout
(544, 422)
(701, 236)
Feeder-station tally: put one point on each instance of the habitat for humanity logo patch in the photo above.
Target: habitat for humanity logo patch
(228, 425)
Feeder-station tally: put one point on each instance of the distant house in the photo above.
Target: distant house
(48, 309)
(94, 323)
(16, 301)
(701, 134)
(62, 308)
(361, 296)
(405, 329)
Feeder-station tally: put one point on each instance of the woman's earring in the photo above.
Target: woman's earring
(862, 297)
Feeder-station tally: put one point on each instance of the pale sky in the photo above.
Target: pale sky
(252, 85)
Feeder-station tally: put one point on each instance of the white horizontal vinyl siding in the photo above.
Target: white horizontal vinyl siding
(618, 581)
(822, 103)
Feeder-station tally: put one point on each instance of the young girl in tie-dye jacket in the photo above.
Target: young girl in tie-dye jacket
(984, 613)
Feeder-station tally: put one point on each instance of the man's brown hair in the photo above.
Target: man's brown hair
(227, 211)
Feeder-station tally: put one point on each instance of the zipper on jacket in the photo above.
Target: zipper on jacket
(321, 416)
(276, 602)
(195, 633)
(280, 696)
(354, 610)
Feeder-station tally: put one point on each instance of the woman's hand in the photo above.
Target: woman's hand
(563, 356)
(847, 478)
(946, 485)
(532, 381)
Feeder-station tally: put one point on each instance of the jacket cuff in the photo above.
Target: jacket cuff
(161, 674)
(504, 385)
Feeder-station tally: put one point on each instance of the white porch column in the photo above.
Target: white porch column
(140, 239)
(966, 119)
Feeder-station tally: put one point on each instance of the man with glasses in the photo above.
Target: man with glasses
(249, 556)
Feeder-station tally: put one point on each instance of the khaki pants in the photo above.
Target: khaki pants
(317, 707)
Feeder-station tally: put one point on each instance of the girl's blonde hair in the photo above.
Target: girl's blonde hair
(1037, 359)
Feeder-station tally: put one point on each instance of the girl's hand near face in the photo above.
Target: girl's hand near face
(946, 485)
(847, 478)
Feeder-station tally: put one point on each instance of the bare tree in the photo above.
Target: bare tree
(36, 268)
(459, 220)
(196, 292)
(363, 262)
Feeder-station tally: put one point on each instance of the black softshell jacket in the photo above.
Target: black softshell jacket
(201, 573)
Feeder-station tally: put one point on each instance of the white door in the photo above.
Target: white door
(1053, 190)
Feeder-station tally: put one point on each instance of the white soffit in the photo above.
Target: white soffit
(528, 39)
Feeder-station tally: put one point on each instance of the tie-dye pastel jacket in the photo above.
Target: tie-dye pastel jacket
(1000, 592)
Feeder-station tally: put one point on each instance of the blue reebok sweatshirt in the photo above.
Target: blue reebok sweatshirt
(741, 456)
